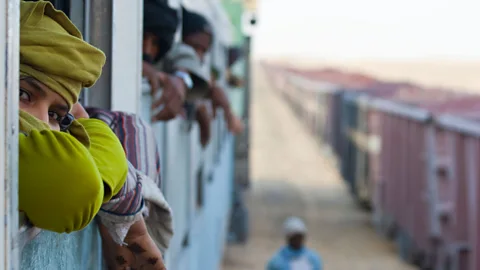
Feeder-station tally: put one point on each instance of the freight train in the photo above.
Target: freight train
(409, 154)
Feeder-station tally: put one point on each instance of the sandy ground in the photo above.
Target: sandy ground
(291, 176)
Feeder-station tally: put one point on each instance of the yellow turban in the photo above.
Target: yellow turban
(52, 51)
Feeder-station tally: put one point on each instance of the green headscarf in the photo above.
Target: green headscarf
(52, 50)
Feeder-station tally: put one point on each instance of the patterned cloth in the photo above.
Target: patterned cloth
(143, 182)
(125, 208)
(137, 139)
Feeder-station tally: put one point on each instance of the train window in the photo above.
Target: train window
(199, 186)
(63, 5)
(76, 10)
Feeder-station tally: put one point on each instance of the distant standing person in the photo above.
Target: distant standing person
(295, 256)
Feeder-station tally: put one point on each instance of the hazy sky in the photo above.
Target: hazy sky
(369, 28)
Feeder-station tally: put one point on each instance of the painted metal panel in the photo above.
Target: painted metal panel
(126, 63)
(472, 148)
(182, 156)
(208, 229)
(9, 46)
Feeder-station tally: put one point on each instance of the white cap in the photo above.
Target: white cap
(294, 225)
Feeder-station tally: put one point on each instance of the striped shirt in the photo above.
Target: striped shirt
(137, 138)
(141, 150)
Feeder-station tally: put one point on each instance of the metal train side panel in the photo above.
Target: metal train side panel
(349, 155)
(126, 65)
(457, 177)
(361, 139)
(399, 176)
(198, 186)
(417, 171)
(77, 251)
(337, 114)
(472, 150)
(9, 46)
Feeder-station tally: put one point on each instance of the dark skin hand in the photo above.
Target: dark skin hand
(203, 119)
(139, 253)
(78, 111)
(220, 100)
(173, 94)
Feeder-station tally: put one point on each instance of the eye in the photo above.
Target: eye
(55, 116)
(24, 95)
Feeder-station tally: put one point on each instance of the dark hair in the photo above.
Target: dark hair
(162, 21)
(194, 23)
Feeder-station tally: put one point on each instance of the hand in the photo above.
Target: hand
(78, 111)
(139, 253)
(219, 99)
(203, 119)
(170, 104)
(235, 125)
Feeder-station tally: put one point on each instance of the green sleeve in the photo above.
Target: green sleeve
(109, 156)
(60, 187)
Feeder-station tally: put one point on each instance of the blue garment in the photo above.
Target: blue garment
(285, 256)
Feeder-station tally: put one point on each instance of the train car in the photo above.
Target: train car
(410, 152)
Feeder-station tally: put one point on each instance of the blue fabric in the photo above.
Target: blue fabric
(281, 260)
(80, 250)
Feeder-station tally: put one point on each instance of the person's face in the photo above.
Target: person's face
(150, 45)
(296, 241)
(43, 103)
(200, 42)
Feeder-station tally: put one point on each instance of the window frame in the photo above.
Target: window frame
(9, 77)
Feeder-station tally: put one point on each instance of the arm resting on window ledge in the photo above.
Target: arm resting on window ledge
(60, 187)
